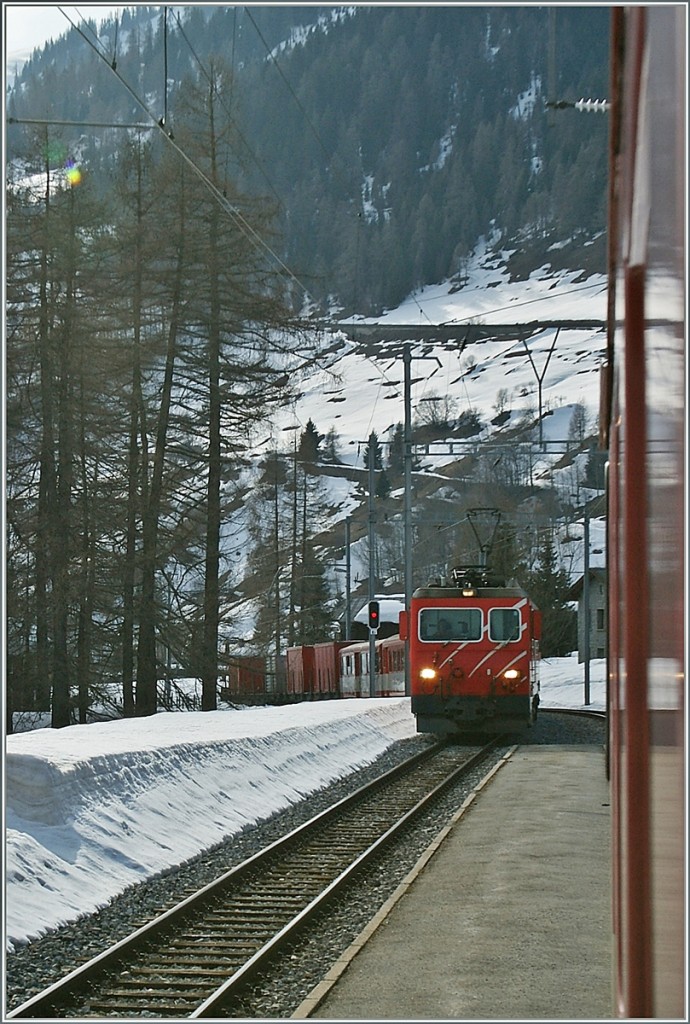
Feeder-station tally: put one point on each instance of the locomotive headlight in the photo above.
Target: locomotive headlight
(428, 674)
(511, 673)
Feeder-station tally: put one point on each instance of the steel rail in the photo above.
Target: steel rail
(260, 959)
(73, 985)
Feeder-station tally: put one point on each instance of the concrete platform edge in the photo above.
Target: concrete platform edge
(320, 991)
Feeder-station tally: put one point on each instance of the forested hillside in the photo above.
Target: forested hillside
(192, 198)
(388, 139)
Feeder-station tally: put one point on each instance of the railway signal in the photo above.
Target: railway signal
(374, 615)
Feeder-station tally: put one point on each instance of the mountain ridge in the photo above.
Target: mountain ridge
(390, 140)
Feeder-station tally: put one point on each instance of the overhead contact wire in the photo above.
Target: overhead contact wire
(243, 224)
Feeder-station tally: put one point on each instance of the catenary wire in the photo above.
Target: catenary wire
(242, 223)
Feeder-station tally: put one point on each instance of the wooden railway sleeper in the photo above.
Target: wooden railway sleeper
(201, 959)
(258, 899)
(250, 912)
(163, 1008)
(162, 989)
(222, 919)
(190, 971)
(155, 981)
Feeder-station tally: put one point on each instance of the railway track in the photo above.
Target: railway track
(196, 959)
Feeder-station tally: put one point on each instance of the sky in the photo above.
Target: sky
(30, 26)
(93, 809)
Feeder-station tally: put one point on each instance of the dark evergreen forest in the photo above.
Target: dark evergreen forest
(388, 139)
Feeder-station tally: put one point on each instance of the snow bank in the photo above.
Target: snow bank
(92, 809)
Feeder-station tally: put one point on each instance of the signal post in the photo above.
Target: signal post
(373, 630)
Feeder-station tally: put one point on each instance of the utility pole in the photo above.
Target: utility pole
(407, 511)
(348, 572)
(585, 604)
(372, 573)
(540, 381)
(407, 443)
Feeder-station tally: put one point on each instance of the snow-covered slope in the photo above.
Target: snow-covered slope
(358, 391)
(370, 393)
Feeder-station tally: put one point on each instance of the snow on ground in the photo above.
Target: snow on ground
(93, 809)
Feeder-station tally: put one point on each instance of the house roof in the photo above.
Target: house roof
(577, 587)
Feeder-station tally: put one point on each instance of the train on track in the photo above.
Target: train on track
(474, 654)
(322, 671)
(474, 660)
(644, 424)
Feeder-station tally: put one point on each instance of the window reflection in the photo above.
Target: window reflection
(504, 624)
(450, 624)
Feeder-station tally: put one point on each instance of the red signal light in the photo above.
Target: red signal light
(373, 615)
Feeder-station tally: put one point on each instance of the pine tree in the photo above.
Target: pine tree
(310, 439)
(373, 452)
(577, 428)
(314, 610)
(330, 452)
(383, 485)
(396, 451)
(548, 587)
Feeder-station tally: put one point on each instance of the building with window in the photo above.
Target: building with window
(597, 614)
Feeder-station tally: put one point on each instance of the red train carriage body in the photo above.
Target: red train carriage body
(474, 652)
(314, 670)
(245, 676)
(389, 671)
(643, 418)
(300, 668)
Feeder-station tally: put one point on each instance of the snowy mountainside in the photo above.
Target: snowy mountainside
(474, 377)
(356, 392)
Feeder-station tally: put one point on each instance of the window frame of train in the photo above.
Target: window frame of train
(451, 614)
(515, 633)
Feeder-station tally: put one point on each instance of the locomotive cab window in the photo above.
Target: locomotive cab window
(450, 624)
(504, 624)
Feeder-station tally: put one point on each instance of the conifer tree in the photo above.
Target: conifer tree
(330, 452)
(238, 300)
(396, 451)
(310, 439)
(314, 612)
(548, 587)
(373, 452)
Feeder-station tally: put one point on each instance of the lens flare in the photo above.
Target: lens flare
(72, 173)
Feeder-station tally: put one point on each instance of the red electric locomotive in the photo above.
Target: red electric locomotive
(474, 653)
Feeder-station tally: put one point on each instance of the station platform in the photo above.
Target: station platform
(507, 916)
